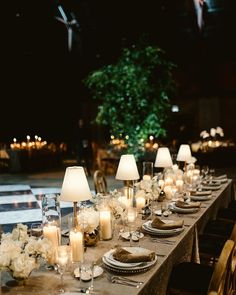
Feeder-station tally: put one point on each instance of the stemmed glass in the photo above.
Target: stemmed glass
(205, 171)
(118, 228)
(62, 261)
(131, 218)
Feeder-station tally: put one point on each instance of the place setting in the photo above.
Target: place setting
(200, 195)
(163, 227)
(129, 260)
(185, 206)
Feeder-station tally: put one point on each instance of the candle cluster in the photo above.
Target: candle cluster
(29, 144)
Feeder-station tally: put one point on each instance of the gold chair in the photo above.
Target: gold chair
(190, 278)
(100, 183)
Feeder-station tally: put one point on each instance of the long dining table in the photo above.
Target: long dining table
(184, 247)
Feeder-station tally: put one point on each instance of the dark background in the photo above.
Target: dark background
(42, 89)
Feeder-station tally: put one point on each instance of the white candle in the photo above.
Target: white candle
(63, 256)
(168, 191)
(196, 172)
(105, 225)
(51, 233)
(168, 181)
(140, 203)
(175, 167)
(189, 176)
(179, 185)
(131, 214)
(146, 177)
(77, 245)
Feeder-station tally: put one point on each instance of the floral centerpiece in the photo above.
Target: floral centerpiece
(88, 219)
(148, 188)
(112, 201)
(19, 252)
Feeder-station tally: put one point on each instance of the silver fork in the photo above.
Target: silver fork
(127, 279)
(122, 282)
(164, 241)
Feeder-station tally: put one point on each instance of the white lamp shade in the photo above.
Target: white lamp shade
(163, 158)
(127, 168)
(75, 186)
(184, 153)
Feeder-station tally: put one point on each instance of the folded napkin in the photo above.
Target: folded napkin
(159, 224)
(201, 193)
(220, 180)
(143, 255)
(221, 176)
(211, 187)
(182, 204)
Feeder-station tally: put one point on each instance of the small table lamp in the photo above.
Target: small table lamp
(127, 171)
(163, 158)
(75, 188)
(184, 154)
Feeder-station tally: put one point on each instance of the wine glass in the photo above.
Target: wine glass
(118, 228)
(131, 218)
(205, 171)
(62, 261)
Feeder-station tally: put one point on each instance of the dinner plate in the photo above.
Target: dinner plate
(98, 270)
(200, 198)
(142, 267)
(174, 208)
(156, 231)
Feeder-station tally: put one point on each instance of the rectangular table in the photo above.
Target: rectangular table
(156, 279)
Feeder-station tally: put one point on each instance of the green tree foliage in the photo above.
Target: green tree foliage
(133, 95)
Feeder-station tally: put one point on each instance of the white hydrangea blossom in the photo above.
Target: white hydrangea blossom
(19, 251)
(147, 188)
(88, 218)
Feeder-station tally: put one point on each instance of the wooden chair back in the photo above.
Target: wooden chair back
(100, 183)
(222, 272)
(233, 234)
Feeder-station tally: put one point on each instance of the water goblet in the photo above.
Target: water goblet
(131, 218)
(86, 270)
(62, 262)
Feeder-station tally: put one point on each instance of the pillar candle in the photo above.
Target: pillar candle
(168, 181)
(77, 245)
(146, 177)
(140, 203)
(179, 185)
(175, 167)
(105, 225)
(131, 214)
(196, 172)
(51, 233)
(168, 191)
